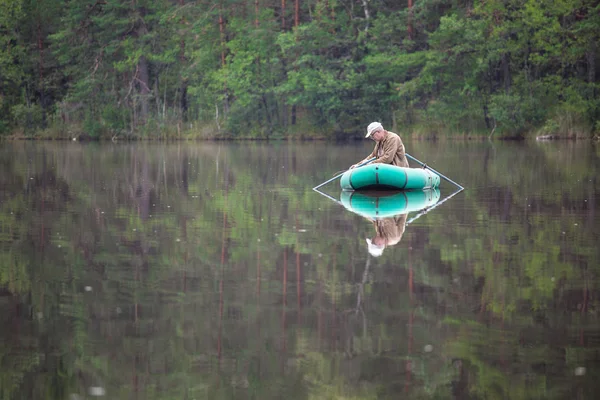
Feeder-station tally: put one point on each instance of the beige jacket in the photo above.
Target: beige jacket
(390, 151)
(391, 229)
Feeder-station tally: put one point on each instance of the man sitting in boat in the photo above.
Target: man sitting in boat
(388, 232)
(389, 148)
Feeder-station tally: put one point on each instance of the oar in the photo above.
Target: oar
(427, 209)
(433, 170)
(337, 176)
(339, 202)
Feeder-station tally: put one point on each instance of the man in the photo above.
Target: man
(388, 232)
(389, 148)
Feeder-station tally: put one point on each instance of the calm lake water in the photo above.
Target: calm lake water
(214, 271)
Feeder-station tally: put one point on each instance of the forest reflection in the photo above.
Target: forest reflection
(214, 271)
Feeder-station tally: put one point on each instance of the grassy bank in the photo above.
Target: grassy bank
(158, 131)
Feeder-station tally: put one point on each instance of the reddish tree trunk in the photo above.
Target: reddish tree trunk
(408, 365)
(256, 13)
(222, 35)
(283, 311)
(183, 101)
(410, 27)
(283, 15)
(223, 241)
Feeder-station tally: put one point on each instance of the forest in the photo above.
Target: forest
(140, 69)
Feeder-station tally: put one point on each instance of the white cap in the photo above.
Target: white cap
(374, 249)
(373, 126)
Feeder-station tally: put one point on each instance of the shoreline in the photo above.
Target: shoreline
(540, 138)
(417, 133)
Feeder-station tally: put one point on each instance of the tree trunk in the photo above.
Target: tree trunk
(222, 38)
(486, 116)
(591, 60)
(183, 85)
(41, 73)
(267, 113)
(296, 24)
(157, 97)
(283, 15)
(222, 35)
(183, 101)
(143, 81)
(591, 78)
(365, 4)
(410, 26)
(256, 13)
(506, 71)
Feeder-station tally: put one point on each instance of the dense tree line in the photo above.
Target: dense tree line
(260, 68)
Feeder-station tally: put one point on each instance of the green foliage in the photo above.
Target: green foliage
(249, 70)
(508, 111)
(11, 12)
(115, 119)
(92, 127)
(4, 127)
(29, 118)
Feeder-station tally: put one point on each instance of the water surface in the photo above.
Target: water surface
(213, 270)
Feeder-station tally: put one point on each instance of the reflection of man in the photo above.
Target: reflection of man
(388, 232)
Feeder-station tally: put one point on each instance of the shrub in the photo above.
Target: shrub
(29, 118)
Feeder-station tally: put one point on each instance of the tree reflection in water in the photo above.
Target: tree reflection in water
(155, 271)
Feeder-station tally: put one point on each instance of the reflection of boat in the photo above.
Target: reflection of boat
(385, 176)
(383, 204)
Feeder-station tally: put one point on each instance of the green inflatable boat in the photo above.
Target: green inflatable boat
(385, 176)
(386, 204)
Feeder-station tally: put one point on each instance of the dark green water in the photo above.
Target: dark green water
(214, 271)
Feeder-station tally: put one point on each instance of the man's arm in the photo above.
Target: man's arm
(390, 147)
(365, 159)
